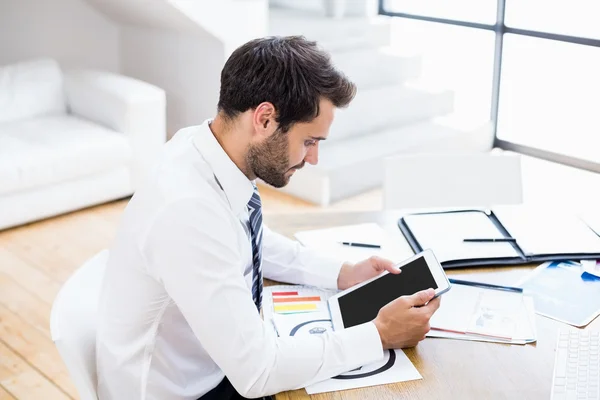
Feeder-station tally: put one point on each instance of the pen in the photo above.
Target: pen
(489, 240)
(486, 285)
(355, 244)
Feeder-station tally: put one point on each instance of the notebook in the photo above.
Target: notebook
(535, 235)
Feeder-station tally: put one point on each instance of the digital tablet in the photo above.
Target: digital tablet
(361, 303)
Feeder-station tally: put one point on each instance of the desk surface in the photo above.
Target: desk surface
(451, 369)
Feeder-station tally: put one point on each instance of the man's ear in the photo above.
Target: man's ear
(264, 120)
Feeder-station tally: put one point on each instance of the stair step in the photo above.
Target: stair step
(371, 68)
(352, 166)
(380, 108)
(351, 7)
(331, 34)
(303, 5)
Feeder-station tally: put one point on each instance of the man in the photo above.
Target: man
(179, 311)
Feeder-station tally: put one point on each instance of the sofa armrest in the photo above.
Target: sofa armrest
(132, 107)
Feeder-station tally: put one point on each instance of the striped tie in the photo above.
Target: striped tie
(256, 232)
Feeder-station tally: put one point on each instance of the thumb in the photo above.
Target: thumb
(420, 298)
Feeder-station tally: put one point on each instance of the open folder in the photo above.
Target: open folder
(503, 236)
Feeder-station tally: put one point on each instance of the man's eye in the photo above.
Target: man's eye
(309, 143)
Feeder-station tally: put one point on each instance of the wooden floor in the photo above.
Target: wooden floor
(36, 259)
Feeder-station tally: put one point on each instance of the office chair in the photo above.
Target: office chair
(73, 323)
(452, 180)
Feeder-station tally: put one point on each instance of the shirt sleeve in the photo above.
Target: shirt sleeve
(191, 248)
(286, 260)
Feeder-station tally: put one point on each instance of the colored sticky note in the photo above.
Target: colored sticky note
(285, 294)
(289, 308)
(295, 299)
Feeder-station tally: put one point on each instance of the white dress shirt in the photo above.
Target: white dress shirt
(176, 313)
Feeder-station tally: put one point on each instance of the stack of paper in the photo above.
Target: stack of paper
(483, 314)
(330, 240)
(394, 367)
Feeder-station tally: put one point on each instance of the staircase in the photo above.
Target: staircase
(391, 113)
(181, 45)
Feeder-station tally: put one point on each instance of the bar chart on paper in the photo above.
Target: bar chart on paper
(294, 308)
(299, 301)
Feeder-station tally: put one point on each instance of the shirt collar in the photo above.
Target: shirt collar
(237, 187)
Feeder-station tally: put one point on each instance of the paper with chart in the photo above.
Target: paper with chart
(562, 292)
(526, 331)
(311, 317)
(444, 233)
(495, 314)
(475, 313)
(329, 241)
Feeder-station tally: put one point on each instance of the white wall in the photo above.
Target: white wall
(187, 66)
(69, 30)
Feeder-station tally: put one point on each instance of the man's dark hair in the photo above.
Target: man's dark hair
(290, 72)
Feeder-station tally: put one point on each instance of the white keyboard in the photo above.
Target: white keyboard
(577, 366)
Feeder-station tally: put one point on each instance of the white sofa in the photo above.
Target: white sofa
(73, 139)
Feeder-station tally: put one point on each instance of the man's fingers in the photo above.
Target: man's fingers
(432, 307)
(434, 304)
(383, 264)
(421, 298)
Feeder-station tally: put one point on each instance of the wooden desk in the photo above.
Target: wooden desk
(451, 369)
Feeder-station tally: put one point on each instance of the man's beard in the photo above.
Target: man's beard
(270, 160)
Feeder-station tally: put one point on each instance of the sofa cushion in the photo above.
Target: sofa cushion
(48, 150)
(31, 88)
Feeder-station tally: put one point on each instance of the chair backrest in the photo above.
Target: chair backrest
(452, 180)
(73, 323)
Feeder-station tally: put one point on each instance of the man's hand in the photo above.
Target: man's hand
(405, 321)
(353, 274)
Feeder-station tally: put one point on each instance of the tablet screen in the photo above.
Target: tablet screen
(363, 304)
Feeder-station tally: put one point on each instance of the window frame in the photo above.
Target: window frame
(500, 28)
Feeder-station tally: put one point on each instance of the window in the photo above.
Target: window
(543, 81)
(550, 96)
(572, 17)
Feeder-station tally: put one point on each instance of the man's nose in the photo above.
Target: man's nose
(312, 156)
